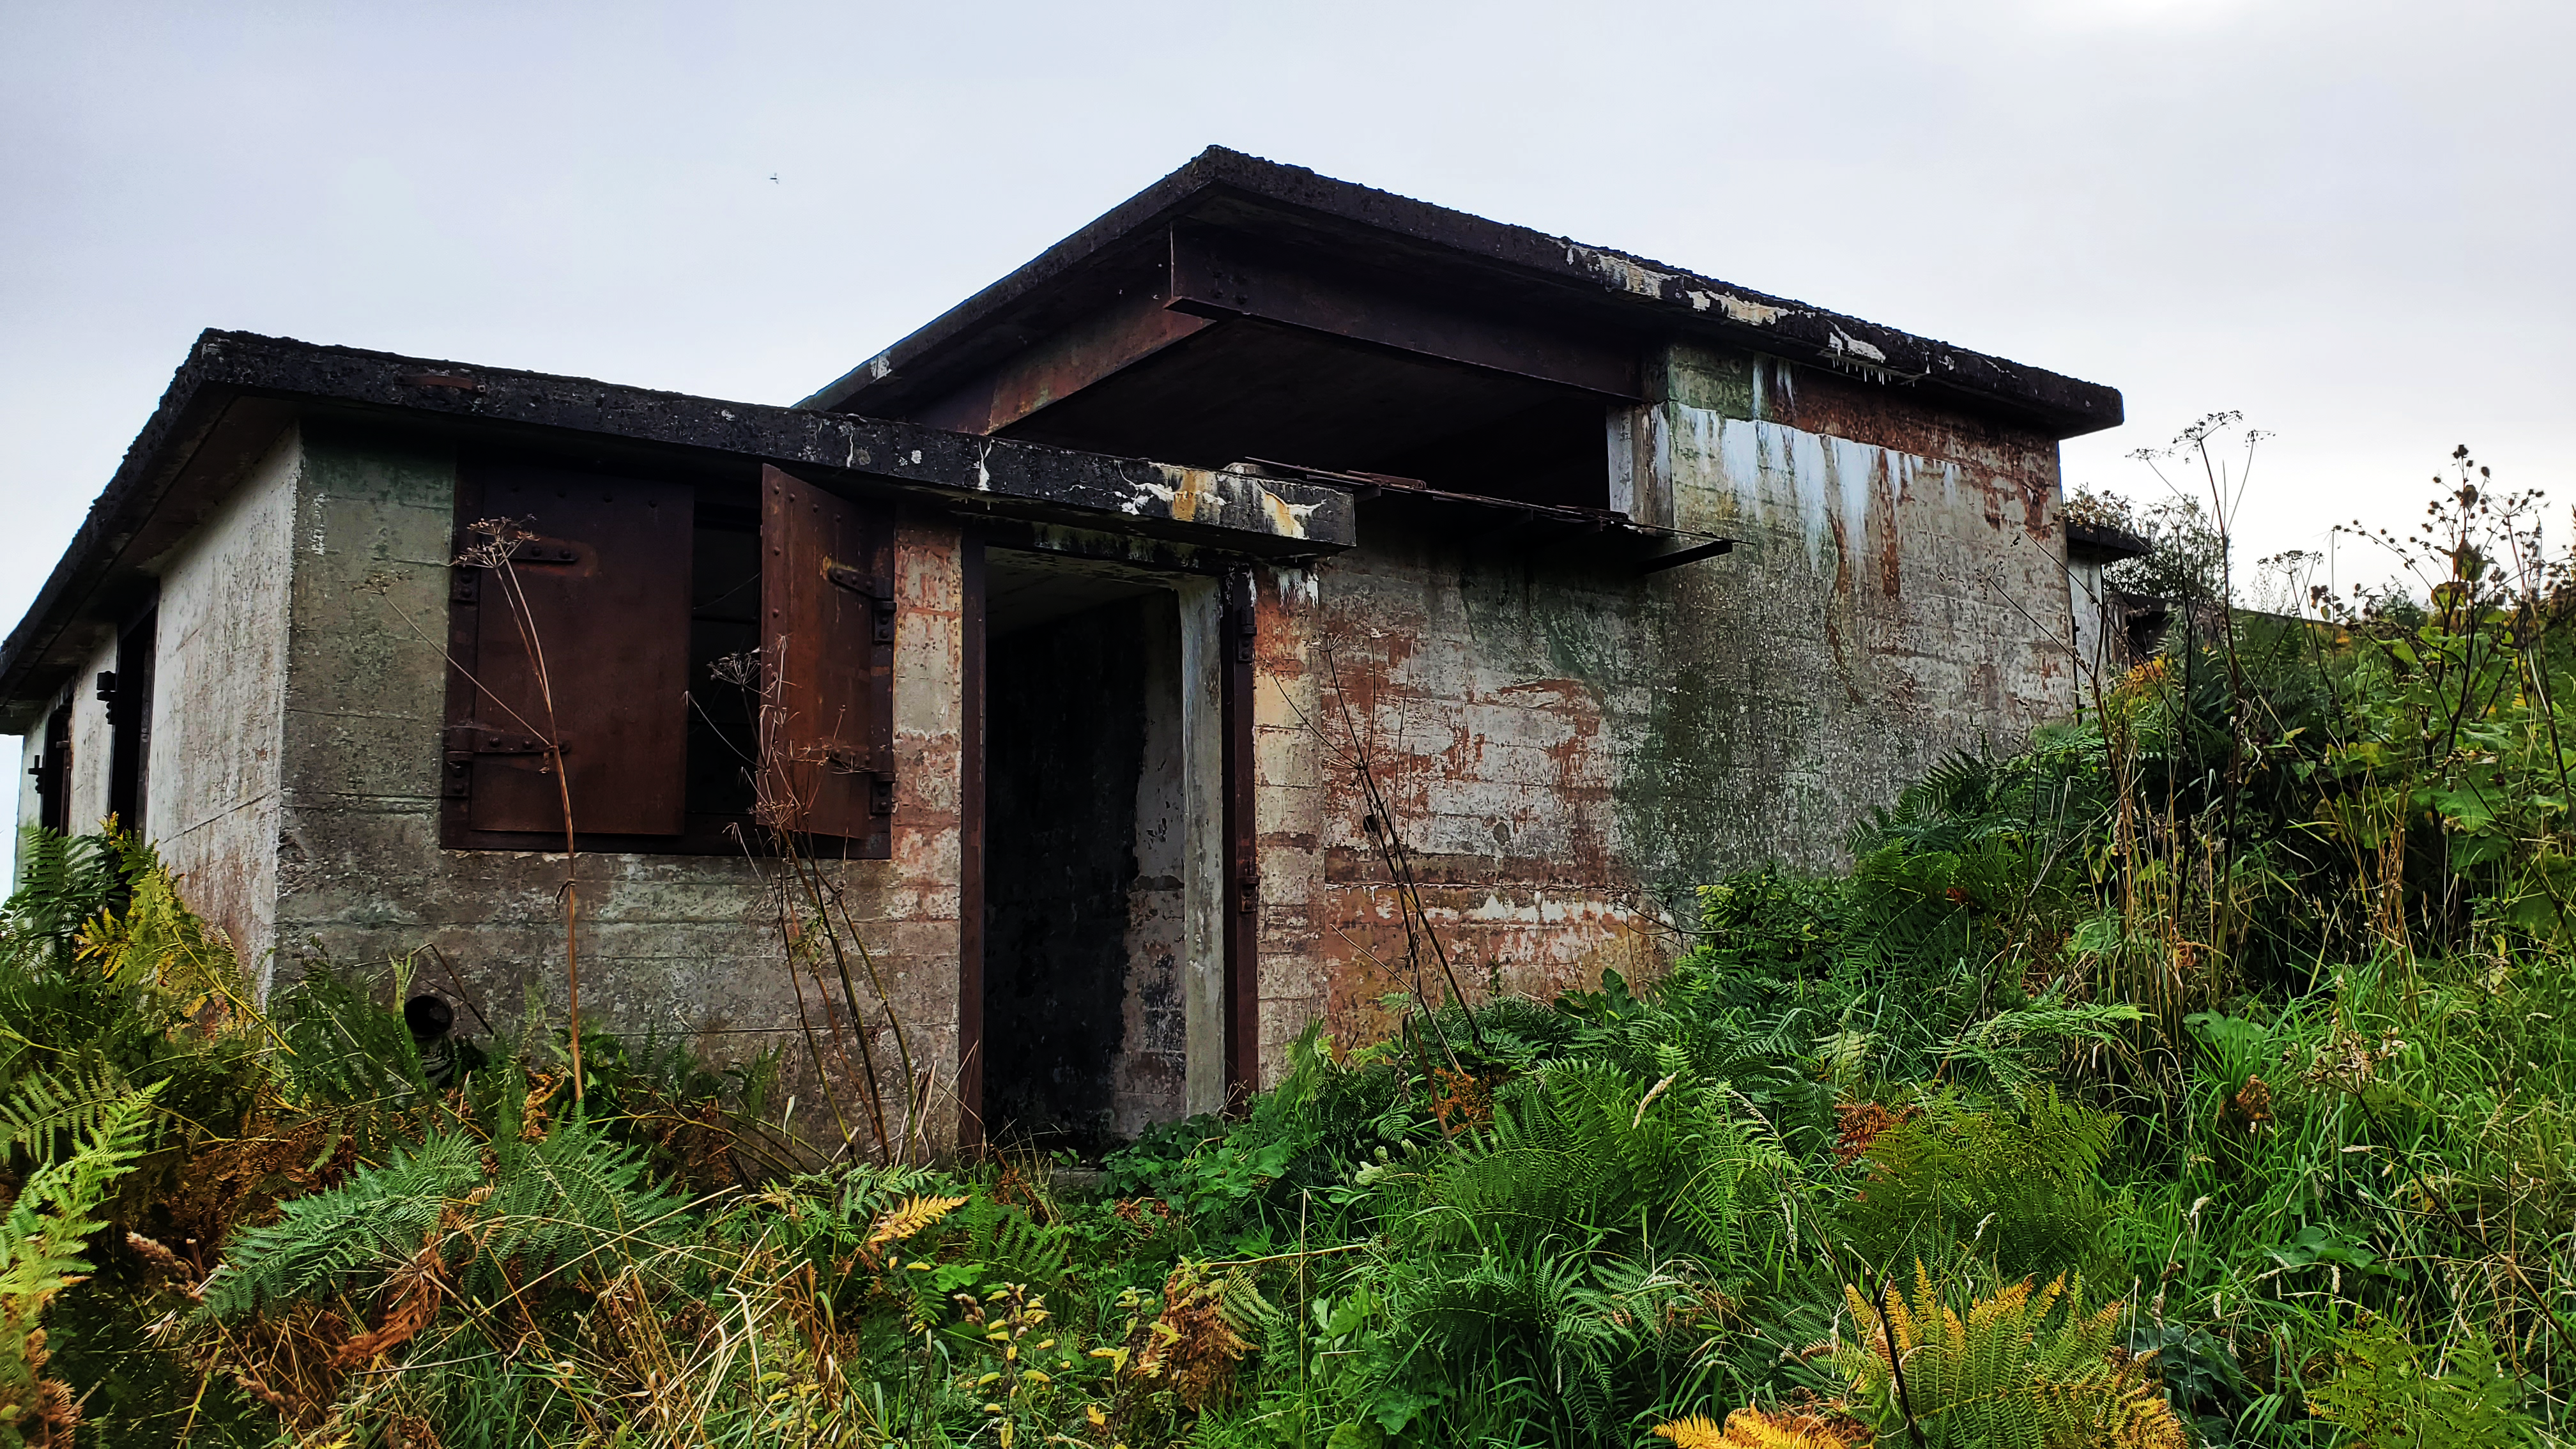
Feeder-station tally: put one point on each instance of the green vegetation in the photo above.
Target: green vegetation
(2196, 1075)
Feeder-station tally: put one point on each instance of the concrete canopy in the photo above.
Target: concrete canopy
(236, 390)
(1468, 262)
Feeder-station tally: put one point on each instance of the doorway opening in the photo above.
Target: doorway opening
(1101, 977)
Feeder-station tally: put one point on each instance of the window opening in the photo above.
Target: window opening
(633, 591)
(53, 772)
(724, 623)
(128, 693)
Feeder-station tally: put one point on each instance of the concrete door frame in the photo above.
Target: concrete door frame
(1206, 690)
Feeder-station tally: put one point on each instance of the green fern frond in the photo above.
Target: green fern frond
(2022, 1369)
(46, 1113)
(322, 1243)
(44, 1233)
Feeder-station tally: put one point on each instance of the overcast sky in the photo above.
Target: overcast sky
(2350, 220)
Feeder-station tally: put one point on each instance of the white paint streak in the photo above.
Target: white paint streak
(1845, 342)
(1745, 309)
(1810, 483)
(1619, 271)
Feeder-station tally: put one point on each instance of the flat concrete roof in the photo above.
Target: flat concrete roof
(226, 404)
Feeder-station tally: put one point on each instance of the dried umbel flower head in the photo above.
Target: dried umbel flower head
(495, 539)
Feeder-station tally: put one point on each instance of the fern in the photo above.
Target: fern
(1756, 1429)
(2017, 1187)
(151, 934)
(1585, 1145)
(63, 881)
(43, 1242)
(550, 1209)
(2384, 1397)
(2021, 1370)
(343, 1047)
(47, 1112)
(911, 1216)
(42, 1236)
(2007, 1046)
(323, 1243)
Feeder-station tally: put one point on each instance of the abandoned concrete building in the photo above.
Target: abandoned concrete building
(1116, 636)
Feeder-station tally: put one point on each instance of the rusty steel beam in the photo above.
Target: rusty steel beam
(1214, 278)
(1060, 365)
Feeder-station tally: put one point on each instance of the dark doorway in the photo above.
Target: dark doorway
(1083, 1020)
(128, 695)
(54, 772)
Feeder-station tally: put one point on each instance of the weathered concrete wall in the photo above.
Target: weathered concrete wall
(1564, 745)
(1486, 694)
(93, 741)
(676, 945)
(219, 703)
(1153, 1063)
(1897, 596)
(31, 748)
(2093, 628)
(1201, 685)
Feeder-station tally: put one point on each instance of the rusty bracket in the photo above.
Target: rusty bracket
(861, 584)
(879, 770)
(545, 553)
(464, 586)
(1243, 614)
(477, 740)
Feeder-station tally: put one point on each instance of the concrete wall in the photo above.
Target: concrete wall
(1566, 746)
(1898, 595)
(93, 741)
(674, 945)
(213, 792)
(2093, 627)
(1153, 1067)
(31, 748)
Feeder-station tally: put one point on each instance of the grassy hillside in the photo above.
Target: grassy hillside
(2200, 1074)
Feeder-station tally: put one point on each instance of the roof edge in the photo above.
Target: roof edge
(1760, 321)
(1251, 516)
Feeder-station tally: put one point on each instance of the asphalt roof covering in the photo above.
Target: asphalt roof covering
(1503, 261)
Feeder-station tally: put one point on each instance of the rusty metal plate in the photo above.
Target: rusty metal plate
(592, 619)
(827, 595)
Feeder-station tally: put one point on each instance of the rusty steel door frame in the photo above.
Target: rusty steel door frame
(1240, 888)
(970, 845)
(1239, 628)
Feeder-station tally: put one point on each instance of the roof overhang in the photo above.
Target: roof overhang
(1426, 272)
(227, 403)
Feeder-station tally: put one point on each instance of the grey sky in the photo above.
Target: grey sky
(2351, 220)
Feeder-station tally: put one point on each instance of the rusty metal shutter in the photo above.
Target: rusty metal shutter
(605, 583)
(827, 660)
